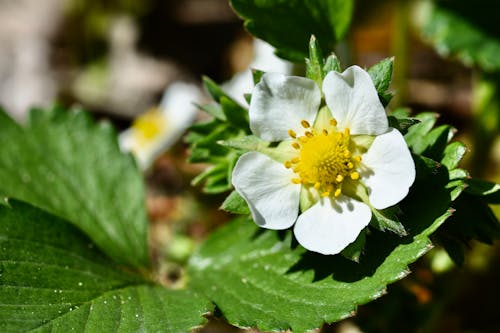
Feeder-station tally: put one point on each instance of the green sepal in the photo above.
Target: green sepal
(246, 143)
(387, 219)
(257, 75)
(354, 250)
(315, 63)
(235, 204)
(332, 63)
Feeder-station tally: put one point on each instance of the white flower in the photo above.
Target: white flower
(158, 129)
(335, 163)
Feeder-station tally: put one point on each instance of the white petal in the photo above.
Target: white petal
(279, 103)
(267, 187)
(178, 104)
(330, 225)
(353, 100)
(391, 170)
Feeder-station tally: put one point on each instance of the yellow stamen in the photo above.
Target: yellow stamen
(305, 123)
(323, 160)
(333, 122)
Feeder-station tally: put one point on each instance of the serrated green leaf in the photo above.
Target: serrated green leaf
(235, 204)
(235, 113)
(490, 192)
(472, 219)
(263, 278)
(52, 278)
(434, 143)
(453, 154)
(214, 110)
(458, 174)
(467, 30)
(381, 74)
(402, 124)
(66, 164)
(288, 25)
(387, 220)
(213, 89)
(417, 132)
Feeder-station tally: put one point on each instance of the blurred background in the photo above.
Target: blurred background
(116, 58)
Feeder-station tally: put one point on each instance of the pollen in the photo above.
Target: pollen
(292, 134)
(324, 161)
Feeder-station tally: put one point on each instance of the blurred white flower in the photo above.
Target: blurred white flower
(265, 60)
(334, 164)
(153, 132)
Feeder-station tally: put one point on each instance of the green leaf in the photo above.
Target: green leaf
(262, 278)
(230, 123)
(235, 204)
(288, 25)
(381, 74)
(66, 164)
(417, 132)
(467, 30)
(387, 219)
(490, 192)
(453, 154)
(53, 278)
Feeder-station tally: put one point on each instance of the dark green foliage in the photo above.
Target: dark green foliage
(288, 25)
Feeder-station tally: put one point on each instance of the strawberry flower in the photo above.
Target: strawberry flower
(335, 159)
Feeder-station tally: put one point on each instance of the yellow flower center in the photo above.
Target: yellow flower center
(148, 126)
(324, 159)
